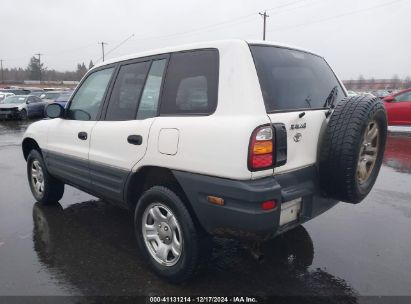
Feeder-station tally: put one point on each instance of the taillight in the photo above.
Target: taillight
(269, 205)
(260, 155)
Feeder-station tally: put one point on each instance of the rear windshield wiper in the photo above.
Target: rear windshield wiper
(329, 102)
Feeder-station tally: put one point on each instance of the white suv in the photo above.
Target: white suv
(228, 138)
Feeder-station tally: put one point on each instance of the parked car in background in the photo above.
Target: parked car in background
(50, 96)
(18, 91)
(380, 93)
(368, 94)
(37, 93)
(63, 98)
(4, 95)
(21, 107)
(398, 108)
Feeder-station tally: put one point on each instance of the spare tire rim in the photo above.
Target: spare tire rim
(162, 234)
(368, 152)
(37, 177)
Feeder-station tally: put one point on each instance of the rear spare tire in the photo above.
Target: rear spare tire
(352, 148)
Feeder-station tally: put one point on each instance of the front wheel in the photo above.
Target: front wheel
(45, 188)
(23, 114)
(166, 234)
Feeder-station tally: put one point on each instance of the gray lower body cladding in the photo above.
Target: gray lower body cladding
(95, 178)
(242, 216)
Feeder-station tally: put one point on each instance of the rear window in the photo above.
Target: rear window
(292, 80)
(191, 85)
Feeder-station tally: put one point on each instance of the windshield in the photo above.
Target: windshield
(14, 99)
(63, 97)
(51, 95)
(37, 93)
(292, 80)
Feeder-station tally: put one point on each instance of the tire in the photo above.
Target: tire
(46, 189)
(351, 154)
(174, 268)
(23, 115)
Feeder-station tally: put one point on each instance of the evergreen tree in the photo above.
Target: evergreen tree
(35, 69)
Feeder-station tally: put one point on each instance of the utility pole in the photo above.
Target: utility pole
(2, 73)
(265, 16)
(38, 54)
(102, 47)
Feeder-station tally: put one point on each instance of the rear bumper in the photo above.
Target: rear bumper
(242, 216)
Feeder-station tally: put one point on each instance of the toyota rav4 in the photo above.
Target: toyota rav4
(229, 138)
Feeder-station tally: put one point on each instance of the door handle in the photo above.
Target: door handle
(135, 139)
(82, 135)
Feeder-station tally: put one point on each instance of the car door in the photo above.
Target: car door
(119, 140)
(35, 107)
(399, 110)
(68, 142)
(31, 107)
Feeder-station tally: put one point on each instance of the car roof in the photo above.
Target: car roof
(199, 45)
(403, 91)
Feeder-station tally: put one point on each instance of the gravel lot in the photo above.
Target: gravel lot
(86, 247)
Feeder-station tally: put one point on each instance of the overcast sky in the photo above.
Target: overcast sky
(368, 37)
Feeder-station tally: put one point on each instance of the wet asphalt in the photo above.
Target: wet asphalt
(85, 246)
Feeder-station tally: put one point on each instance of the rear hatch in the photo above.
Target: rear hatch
(295, 86)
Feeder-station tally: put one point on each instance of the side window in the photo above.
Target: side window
(127, 90)
(191, 85)
(151, 94)
(404, 97)
(86, 103)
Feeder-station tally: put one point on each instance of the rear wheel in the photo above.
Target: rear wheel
(166, 234)
(45, 188)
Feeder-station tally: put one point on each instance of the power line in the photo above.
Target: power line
(336, 16)
(102, 47)
(285, 5)
(116, 47)
(200, 29)
(265, 16)
(296, 7)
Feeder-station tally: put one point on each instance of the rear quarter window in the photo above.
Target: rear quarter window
(293, 80)
(191, 85)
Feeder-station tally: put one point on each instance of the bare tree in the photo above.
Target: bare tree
(371, 83)
(360, 82)
(407, 82)
(395, 82)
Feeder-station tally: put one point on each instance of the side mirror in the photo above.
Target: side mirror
(389, 98)
(54, 110)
